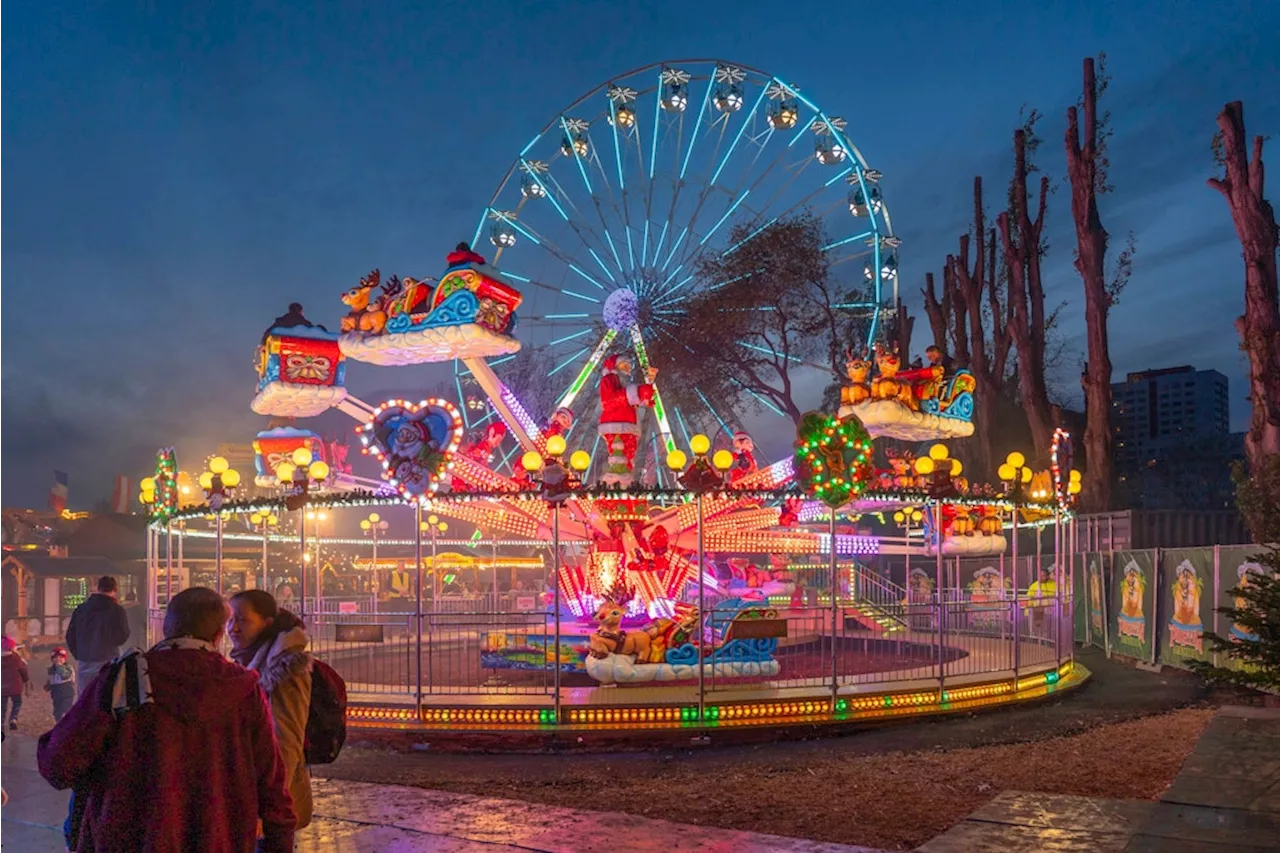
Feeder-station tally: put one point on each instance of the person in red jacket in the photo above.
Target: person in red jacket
(16, 681)
(173, 750)
(619, 400)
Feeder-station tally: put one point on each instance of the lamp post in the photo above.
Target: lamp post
(699, 477)
(556, 483)
(939, 469)
(905, 518)
(1016, 476)
(372, 526)
(317, 516)
(264, 522)
(297, 476)
(218, 482)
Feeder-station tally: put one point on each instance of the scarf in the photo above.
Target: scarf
(130, 683)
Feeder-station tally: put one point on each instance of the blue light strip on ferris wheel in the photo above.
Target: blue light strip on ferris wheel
(582, 296)
(803, 129)
(712, 410)
(578, 334)
(763, 401)
(617, 260)
(706, 99)
(617, 149)
(746, 121)
(644, 246)
(568, 361)
(602, 265)
(657, 118)
(583, 273)
(838, 177)
(675, 246)
(684, 427)
(657, 250)
(502, 360)
(727, 214)
(864, 235)
(631, 252)
(729, 251)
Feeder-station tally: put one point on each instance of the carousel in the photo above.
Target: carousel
(684, 579)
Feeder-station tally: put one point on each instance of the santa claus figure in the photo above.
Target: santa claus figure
(481, 449)
(744, 457)
(560, 422)
(619, 400)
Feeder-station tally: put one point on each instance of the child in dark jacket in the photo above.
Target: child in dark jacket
(61, 684)
(14, 682)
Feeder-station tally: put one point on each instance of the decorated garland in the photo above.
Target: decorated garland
(833, 457)
(165, 489)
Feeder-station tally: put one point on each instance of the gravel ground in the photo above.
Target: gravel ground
(1125, 734)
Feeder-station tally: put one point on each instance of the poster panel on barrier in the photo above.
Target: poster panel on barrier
(1079, 594)
(1132, 589)
(1186, 604)
(982, 581)
(1095, 595)
(1235, 566)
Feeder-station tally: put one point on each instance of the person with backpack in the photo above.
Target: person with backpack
(172, 750)
(273, 643)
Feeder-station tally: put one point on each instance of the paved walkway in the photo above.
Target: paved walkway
(360, 816)
(1225, 799)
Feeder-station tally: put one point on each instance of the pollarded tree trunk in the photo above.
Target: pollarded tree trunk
(1020, 239)
(1091, 253)
(987, 365)
(1259, 326)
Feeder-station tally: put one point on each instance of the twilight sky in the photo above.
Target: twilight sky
(175, 178)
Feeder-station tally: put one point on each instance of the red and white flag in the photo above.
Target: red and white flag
(120, 497)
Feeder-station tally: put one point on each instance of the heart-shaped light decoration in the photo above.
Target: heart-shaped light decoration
(414, 443)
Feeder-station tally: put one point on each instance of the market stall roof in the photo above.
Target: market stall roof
(43, 566)
(114, 536)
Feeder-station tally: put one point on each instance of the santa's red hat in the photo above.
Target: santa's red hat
(611, 361)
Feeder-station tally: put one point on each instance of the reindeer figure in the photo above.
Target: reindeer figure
(366, 315)
(887, 385)
(858, 369)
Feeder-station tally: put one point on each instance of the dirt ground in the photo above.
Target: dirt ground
(1123, 735)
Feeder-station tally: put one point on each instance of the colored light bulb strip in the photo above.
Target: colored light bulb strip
(580, 380)
(659, 411)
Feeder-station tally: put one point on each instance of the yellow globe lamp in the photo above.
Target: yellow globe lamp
(924, 465)
(442, 527)
(433, 519)
(218, 464)
(148, 484)
(231, 478)
(580, 460)
(915, 514)
(699, 444)
(956, 467)
(319, 470)
(531, 461)
(722, 460)
(1074, 487)
(285, 472)
(1075, 476)
(374, 518)
(938, 452)
(256, 518)
(1016, 459)
(676, 460)
(272, 521)
(555, 445)
(301, 457)
(1026, 475)
(206, 481)
(1007, 472)
(365, 524)
(900, 517)
(147, 497)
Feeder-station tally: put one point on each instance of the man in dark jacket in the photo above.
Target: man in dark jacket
(99, 627)
(173, 749)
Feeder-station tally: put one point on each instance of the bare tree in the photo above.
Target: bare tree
(1259, 326)
(1020, 238)
(1087, 172)
(978, 295)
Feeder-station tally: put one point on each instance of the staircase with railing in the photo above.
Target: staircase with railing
(875, 602)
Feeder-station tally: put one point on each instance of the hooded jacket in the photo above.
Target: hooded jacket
(98, 628)
(194, 767)
(284, 671)
(13, 675)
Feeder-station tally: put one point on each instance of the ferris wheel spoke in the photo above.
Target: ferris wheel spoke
(733, 145)
(568, 361)
(711, 409)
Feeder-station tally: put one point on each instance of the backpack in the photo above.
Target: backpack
(327, 719)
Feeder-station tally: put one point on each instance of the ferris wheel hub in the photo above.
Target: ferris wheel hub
(622, 309)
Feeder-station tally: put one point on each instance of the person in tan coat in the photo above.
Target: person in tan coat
(273, 643)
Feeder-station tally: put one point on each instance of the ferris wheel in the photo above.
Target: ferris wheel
(605, 213)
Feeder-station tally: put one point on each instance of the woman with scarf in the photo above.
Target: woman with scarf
(271, 642)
